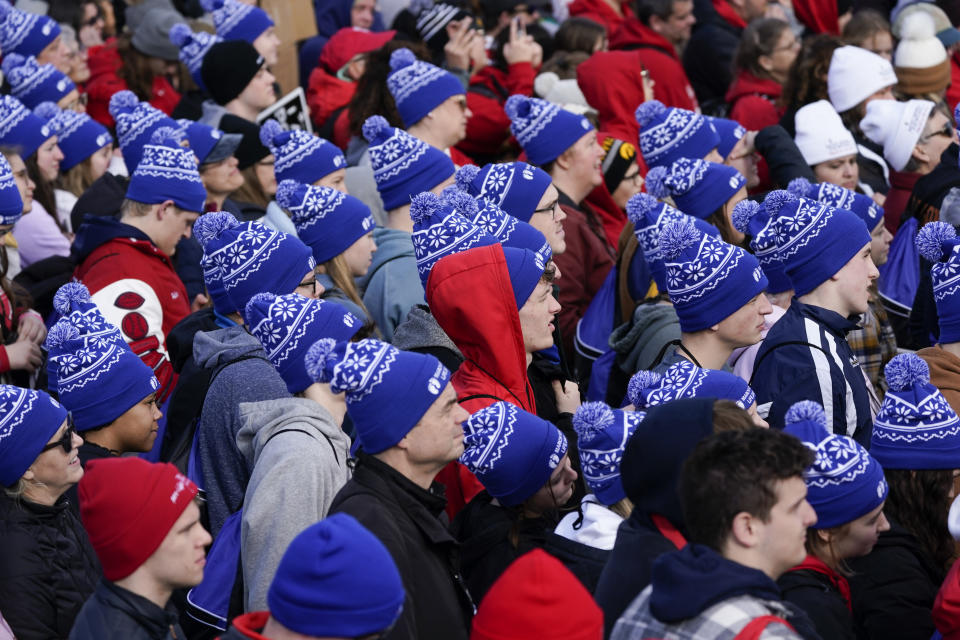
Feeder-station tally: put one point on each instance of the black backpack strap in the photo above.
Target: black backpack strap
(663, 351)
(498, 93)
(480, 395)
(799, 343)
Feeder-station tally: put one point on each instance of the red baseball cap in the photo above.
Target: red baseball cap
(348, 42)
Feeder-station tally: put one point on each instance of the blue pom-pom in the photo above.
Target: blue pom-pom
(402, 58)
(638, 206)
(647, 111)
(465, 177)
(592, 418)
(906, 370)
(5, 8)
(180, 34)
(517, 106)
(743, 213)
(932, 238)
(317, 357)
(60, 333)
(656, 182)
(677, 236)
(290, 194)
(776, 200)
(167, 136)
(956, 114)
(259, 300)
(806, 411)
(800, 187)
(269, 130)
(374, 127)
(463, 203)
(11, 61)
(123, 102)
(423, 205)
(640, 382)
(70, 295)
(46, 111)
(210, 225)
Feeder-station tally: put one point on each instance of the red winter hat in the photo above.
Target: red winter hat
(348, 42)
(537, 592)
(127, 506)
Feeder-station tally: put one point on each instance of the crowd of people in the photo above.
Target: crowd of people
(589, 319)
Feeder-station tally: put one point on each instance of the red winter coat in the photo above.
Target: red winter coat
(489, 127)
(953, 91)
(471, 297)
(672, 87)
(325, 94)
(753, 101)
(104, 63)
(600, 11)
(136, 288)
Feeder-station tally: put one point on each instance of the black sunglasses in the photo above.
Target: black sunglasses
(66, 440)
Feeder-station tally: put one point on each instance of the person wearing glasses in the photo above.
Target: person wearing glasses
(766, 52)
(47, 565)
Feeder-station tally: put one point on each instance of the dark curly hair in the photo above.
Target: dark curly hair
(372, 96)
(919, 501)
(807, 80)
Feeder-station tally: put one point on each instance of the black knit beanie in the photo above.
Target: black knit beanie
(228, 68)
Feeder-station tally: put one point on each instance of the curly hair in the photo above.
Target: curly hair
(807, 80)
(372, 96)
(919, 500)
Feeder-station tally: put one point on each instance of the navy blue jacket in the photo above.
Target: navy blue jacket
(817, 365)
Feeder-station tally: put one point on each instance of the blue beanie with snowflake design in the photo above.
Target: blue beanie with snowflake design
(516, 187)
(329, 221)
(602, 435)
(686, 380)
(698, 187)
(543, 129)
(668, 133)
(938, 243)
(419, 87)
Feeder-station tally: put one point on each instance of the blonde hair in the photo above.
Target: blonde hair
(78, 178)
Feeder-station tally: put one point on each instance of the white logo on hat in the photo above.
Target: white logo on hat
(45, 131)
(584, 123)
(62, 84)
(366, 223)
(182, 482)
(47, 28)
(433, 386)
(880, 487)
(338, 161)
(215, 134)
(349, 320)
(538, 260)
(102, 139)
(734, 183)
(757, 274)
(154, 383)
(527, 172)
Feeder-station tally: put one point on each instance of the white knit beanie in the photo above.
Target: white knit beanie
(897, 126)
(920, 59)
(821, 135)
(856, 74)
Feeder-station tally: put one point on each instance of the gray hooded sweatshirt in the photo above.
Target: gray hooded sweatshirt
(296, 475)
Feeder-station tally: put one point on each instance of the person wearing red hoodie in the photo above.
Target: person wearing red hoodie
(763, 60)
(333, 81)
(610, 13)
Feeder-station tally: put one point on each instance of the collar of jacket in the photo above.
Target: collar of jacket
(381, 477)
(830, 319)
(156, 621)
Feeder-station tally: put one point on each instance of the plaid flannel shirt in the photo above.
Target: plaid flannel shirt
(874, 343)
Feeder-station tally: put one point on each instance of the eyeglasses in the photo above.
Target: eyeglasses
(311, 284)
(946, 131)
(635, 178)
(551, 209)
(794, 44)
(78, 103)
(66, 440)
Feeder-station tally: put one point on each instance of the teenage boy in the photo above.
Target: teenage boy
(745, 505)
(144, 524)
(805, 356)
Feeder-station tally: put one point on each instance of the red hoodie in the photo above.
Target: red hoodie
(819, 16)
(489, 127)
(946, 608)
(325, 94)
(953, 91)
(471, 297)
(600, 11)
(753, 101)
(104, 63)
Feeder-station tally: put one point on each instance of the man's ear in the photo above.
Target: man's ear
(166, 207)
(744, 530)
(920, 154)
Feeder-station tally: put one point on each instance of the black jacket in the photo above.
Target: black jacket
(893, 589)
(784, 159)
(820, 600)
(708, 57)
(47, 568)
(114, 612)
(871, 169)
(409, 521)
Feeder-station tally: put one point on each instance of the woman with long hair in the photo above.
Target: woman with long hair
(763, 60)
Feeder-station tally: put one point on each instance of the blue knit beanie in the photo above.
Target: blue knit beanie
(667, 134)
(167, 171)
(11, 204)
(649, 216)
(440, 231)
(543, 129)
(32, 83)
(844, 482)
(19, 128)
(915, 427)
(236, 20)
(25, 33)
(28, 419)
(207, 143)
(336, 579)
(839, 197)
(419, 87)
(938, 243)
(205, 226)
(403, 166)
(252, 258)
(686, 380)
(751, 219)
(730, 132)
(815, 240)
(78, 135)
(516, 187)
(513, 453)
(494, 221)
(299, 155)
(388, 391)
(288, 325)
(193, 46)
(135, 122)
(98, 377)
(698, 187)
(327, 220)
(707, 279)
(602, 435)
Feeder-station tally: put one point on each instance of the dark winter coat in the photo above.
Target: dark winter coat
(47, 568)
(114, 612)
(411, 524)
(819, 598)
(708, 56)
(893, 589)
